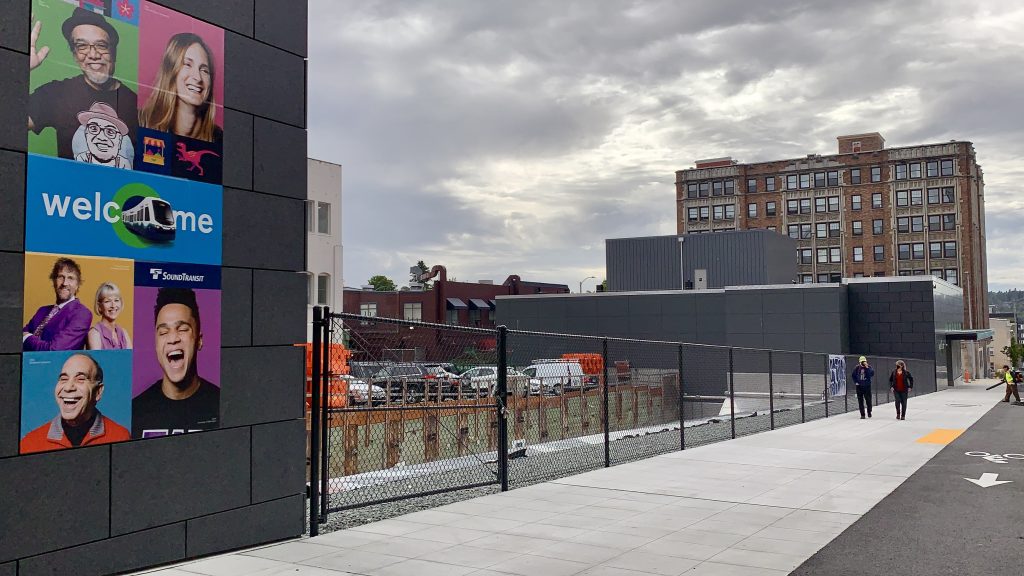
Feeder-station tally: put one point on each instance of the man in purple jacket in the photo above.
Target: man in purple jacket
(64, 325)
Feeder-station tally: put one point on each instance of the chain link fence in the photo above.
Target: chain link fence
(401, 409)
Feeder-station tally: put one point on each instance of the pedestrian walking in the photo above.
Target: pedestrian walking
(1011, 384)
(902, 382)
(862, 376)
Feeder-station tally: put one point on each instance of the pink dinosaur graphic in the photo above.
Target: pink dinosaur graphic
(193, 157)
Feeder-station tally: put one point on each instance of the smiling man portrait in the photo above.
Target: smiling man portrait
(63, 325)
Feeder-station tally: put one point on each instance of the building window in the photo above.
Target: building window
(691, 214)
(833, 178)
(915, 170)
(904, 252)
(805, 231)
(937, 272)
(854, 175)
(822, 255)
(730, 187)
(902, 198)
(951, 276)
(821, 230)
(834, 229)
(949, 249)
(876, 200)
(946, 167)
(793, 230)
(834, 255)
(451, 316)
(719, 212)
(705, 189)
(879, 252)
(705, 213)
(806, 279)
(901, 171)
(323, 289)
(412, 311)
(918, 250)
(858, 254)
(948, 195)
(805, 205)
(819, 179)
(474, 317)
(855, 202)
(805, 255)
(730, 211)
(691, 190)
(917, 224)
(823, 278)
(833, 203)
(792, 207)
(876, 173)
(949, 221)
(934, 223)
(368, 309)
(751, 184)
(932, 168)
(769, 208)
(858, 274)
(933, 195)
(772, 228)
(323, 217)
(915, 197)
(717, 188)
(791, 182)
(310, 216)
(769, 183)
(877, 227)
(903, 225)
(805, 180)
(857, 227)
(855, 146)
(935, 249)
(820, 205)
(752, 210)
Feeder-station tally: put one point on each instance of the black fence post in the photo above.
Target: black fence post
(771, 393)
(803, 405)
(732, 397)
(314, 433)
(325, 407)
(682, 405)
(826, 386)
(604, 401)
(501, 397)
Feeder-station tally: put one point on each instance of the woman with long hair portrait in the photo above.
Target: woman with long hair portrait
(182, 99)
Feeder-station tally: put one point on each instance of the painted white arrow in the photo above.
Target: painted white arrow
(988, 479)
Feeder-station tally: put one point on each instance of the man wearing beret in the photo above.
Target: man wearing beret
(93, 44)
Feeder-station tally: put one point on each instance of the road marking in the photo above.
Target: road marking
(940, 436)
(988, 479)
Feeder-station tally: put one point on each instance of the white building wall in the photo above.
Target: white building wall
(324, 250)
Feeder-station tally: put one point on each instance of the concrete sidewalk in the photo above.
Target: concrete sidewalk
(758, 505)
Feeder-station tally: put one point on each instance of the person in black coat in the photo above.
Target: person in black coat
(902, 382)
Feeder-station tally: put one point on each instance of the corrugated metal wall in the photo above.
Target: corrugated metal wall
(650, 263)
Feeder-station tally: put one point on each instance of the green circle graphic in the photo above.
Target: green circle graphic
(127, 191)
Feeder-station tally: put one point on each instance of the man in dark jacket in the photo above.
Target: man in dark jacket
(862, 376)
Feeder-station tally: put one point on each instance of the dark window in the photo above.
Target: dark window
(935, 249)
(705, 188)
(949, 249)
(933, 195)
(948, 195)
(918, 248)
(937, 272)
(823, 278)
(877, 227)
(769, 208)
(915, 170)
(821, 230)
(901, 171)
(805, 256)
(904, 251)
(946, 167)
(876, 173)
(691, 190)
(857, 227)
(854, 175)
(917, 224)
(949, 221)
(730, 187)
(876, 200)
(705, 212)
(833, 178)
(903, 225)
(691, 214)
(794, 230)
(855, 202)
(769, 183)
(751, 184)
(805, 180)
(805, 205)
(719, 212)
(819, 179)
(730, 211)
(934, 223)
(716, 188)
(791, 182)
(820, 205)
(915, 197)
(833, 203)
(858, 254)
(951, 276)
(902, 198)
(792, 207)
(805, 231)
(932, 168)
(879, 252)
(806, 279)
(834, 229)
(752, 210)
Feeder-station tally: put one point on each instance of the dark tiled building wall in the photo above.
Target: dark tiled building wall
(127, 506)
(892, 319)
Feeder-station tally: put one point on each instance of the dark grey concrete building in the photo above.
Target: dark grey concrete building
(700, 261)
(119, 507)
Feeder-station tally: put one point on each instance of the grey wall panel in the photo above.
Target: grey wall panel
(780, 259)
(580, 307)
(262, 80)
(10, 404)
(641, 306)
(273, 476)
(236, 307)
(27, 520)
(782, 301)
(745, 302)
(14, 27)
(261, 523)
(121, 554)
(650, 263)
(788, 323)
(279, 159)
(251, 218)
(283, 28)
(278, 298)
(236, 15)
(269, 388)
(14, 89)
(12, 198)
(12, 283)
(238, 143)
(9, 569)
(172, 479)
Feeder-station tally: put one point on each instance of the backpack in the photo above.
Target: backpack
(1018, 377)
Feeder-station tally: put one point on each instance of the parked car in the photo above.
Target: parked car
(441, 373)
(554, 376)
(365, 370)
(361, 393)
(483, 380)
(396, 378)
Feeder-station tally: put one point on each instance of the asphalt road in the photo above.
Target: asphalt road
(939, 523)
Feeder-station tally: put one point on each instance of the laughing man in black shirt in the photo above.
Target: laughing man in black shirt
(181, 401)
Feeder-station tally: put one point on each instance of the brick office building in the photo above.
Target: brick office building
(866, 211)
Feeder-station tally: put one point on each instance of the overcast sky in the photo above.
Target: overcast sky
(502, 138)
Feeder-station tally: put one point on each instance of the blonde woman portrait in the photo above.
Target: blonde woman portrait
(182, 100)
(106, 334)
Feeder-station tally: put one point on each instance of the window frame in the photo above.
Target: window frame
(876, 173)
(858, 254)
(878, 252)
(770, 208)
(856, 202)
(857, 227)
(877, 226)
(876, 200)
(855, 176)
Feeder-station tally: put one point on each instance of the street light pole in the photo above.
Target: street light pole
(584, 280)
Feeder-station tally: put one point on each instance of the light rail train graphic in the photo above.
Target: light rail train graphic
(149, 218)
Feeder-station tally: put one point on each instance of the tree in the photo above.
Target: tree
(1015, 352)
(381, 283)
(423, 270)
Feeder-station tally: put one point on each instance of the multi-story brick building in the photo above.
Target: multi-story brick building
(866, 211)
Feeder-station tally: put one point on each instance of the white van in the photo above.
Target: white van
(554, 376)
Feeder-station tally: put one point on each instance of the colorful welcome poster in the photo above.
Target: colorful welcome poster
(124, 224)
